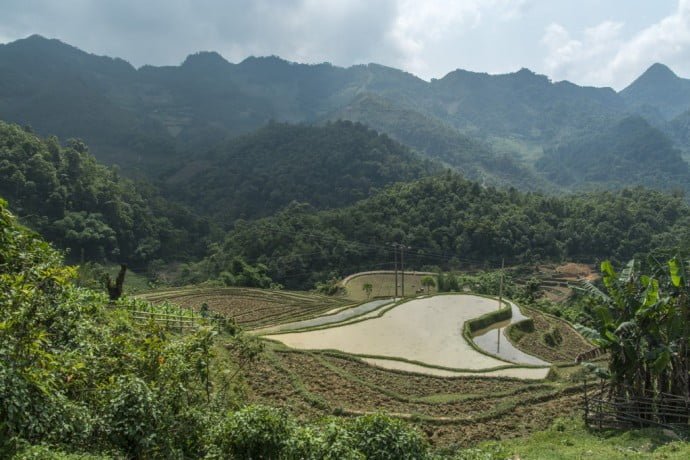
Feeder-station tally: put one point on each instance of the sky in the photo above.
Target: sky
(588, 42)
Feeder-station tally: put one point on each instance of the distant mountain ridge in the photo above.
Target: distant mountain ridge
(144, 119)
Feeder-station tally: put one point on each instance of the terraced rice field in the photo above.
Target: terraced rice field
(452, 408)
(251, 308)
(424, 335)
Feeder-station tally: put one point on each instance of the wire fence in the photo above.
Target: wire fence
(605, 408)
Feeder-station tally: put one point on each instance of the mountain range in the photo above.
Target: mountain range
(510, 129)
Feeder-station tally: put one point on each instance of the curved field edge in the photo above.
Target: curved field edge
(292, 327)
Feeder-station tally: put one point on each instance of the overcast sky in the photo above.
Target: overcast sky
(589, 42)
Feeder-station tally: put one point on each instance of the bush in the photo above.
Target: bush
(132, 415)
(380, 437)
(252, 432)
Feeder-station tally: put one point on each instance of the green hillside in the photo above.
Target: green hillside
(328, 166)
(435, 139)
(148, 118)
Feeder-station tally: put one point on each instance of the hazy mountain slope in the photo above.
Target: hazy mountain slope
(438, 141)
(58, 89)
(143, 119)
(327, 166)
(521, 103)
(628, 152)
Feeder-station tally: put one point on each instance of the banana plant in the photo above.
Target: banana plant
(643, 323)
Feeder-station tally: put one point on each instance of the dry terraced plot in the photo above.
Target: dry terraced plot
(456, 410)
(251, 308)
(383, 284)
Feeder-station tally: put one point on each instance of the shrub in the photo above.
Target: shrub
(380, 437)
(132, 415)
(252, 432)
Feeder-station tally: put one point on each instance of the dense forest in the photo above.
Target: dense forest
(89, 209)
(450, 222)
(327, 166)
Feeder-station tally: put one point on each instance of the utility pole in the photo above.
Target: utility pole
(395, 257)
(500, 300)
(500, 288)
(402, 270)
(402, 267)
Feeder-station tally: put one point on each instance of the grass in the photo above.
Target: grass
(383, 284)
(568, 438)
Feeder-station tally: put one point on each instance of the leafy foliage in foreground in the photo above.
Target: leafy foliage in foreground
(63, 193)
(450, 223)
(76, 372)
(79, 379)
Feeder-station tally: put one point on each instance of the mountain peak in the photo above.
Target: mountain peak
(659, 87)
(659, 70)
(205, 59)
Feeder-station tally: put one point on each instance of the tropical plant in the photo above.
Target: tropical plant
(643, 322)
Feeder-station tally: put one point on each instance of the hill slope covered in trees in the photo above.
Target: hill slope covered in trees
(450, 222)
(628, 152)
(63, 193)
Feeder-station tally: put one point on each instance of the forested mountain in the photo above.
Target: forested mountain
(60, 90)
(147, 119)
(63, 193)
(450, 222)
(659, 89)
(326, 166)
(628, 152)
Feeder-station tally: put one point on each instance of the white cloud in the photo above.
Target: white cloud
(603, 56)
(422, 26)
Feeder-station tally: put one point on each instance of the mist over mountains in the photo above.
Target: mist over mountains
(510, 129)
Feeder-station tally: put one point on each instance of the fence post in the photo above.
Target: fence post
(586, 404)
(601, 399)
